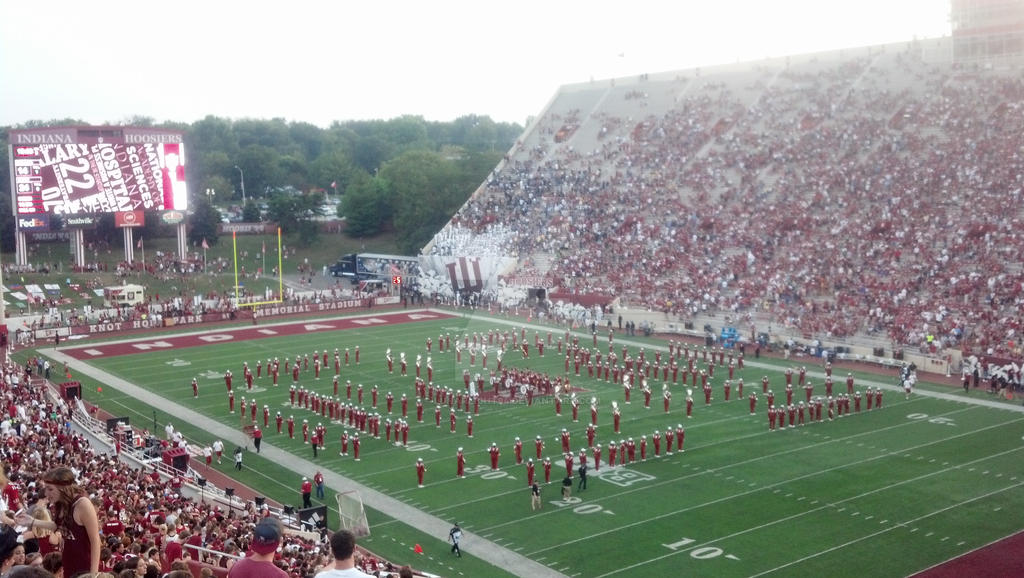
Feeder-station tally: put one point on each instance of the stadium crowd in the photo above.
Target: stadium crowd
(185, 304)
(876, 195)
(145, 521)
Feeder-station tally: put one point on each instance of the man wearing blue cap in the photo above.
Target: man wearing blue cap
(266, 538)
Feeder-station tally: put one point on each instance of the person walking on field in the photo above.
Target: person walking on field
(257, 437)
(455, 536)
(535, 503)
(307, 491)
(318, 481)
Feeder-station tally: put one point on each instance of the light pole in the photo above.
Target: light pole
(3, 311)
(241, 176)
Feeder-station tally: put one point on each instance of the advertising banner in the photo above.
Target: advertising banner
(81, 221)
(247, 228)
(172, 217)
(468, 274)
(129, 219)
(34, 223)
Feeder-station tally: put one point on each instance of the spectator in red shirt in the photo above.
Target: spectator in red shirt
(173, 550)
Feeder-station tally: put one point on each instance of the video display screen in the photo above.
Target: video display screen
(71, 171)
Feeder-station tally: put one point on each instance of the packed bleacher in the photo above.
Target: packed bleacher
(143, 513)
(861, 192)
(157, 308)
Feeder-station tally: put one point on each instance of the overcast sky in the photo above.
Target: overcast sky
(321, 61)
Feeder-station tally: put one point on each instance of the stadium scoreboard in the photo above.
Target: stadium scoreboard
(83, 170)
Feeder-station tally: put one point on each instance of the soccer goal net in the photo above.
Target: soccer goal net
(353, 517)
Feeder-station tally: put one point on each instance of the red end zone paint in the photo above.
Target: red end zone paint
(1002, 558)
(248, 334)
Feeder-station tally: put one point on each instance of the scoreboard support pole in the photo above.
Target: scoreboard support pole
(129, 245)
(182, 242)
(20, 248)
(77, 240)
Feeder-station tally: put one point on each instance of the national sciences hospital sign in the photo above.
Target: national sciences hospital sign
(87, 170)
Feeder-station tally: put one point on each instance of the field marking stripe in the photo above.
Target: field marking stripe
(748, 492)
(816, 554)
(736, 464)
(384, 503)
(521, 423)
(752, 460)
(461, 428)
(619, 340)
(880, 532)
(888, 387)
(232, 329)
(758, 434)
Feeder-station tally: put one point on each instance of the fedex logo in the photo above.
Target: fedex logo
(32, 223)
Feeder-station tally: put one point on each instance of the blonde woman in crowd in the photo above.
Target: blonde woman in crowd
(48, 540)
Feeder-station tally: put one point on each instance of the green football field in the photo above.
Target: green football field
(889, 491)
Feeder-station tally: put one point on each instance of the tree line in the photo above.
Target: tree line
(404, 174)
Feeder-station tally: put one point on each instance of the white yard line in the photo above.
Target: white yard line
(775, 485)
(746, 362)
(889, 529)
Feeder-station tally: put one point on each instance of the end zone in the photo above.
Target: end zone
(199, 339)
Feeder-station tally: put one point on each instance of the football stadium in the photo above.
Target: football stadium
(741, 320)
